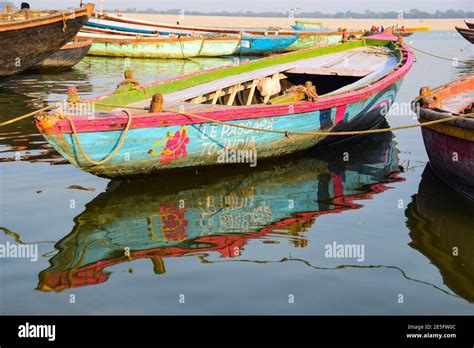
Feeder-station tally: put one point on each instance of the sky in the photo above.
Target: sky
(268, 5)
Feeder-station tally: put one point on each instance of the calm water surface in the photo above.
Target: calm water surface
(238, 241)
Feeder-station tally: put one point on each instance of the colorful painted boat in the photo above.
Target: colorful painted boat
(223, 211)
(468, 34)
(142, 47)
(470, 25)
(67, 57)
(112, 45)
(356, 82)
(441, 224)
(305, 39)
(165, 28)
(50, 30)
(308, 26)
(450, 145)
(253, 42)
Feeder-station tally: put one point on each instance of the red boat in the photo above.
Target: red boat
(450, 145)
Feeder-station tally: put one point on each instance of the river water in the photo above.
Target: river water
(241, 241)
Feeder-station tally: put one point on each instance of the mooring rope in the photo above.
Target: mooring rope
(31, 114)
(437, 56)
(114, 152)
(323, 133)
(316, 133)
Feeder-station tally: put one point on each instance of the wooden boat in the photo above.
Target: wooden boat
(253, 42)
(50, 30)
(224, 211)
(421, 28)
(440, 219)
(450, 145)
(468, 34)
(305, 39)
(165, 28)
(142, 47)
(67, 57)
(352, 96)
(470, 25)
(308, 26)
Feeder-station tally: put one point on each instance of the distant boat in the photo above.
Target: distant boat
(266, 94)
(308, 26)
(250, 43)
(304, 39)
(403, 33)
(468, 34)
(67, 57)
(421, 28)
(165, 28)
(162, 47)
(450, 145)
(50, 30)
(470, 25)
(224, 212)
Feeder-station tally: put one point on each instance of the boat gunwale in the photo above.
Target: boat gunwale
(76, 44)
(467, 30)
(53, 18)
(138, 39)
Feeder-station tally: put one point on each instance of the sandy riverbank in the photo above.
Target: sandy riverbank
(330, 23)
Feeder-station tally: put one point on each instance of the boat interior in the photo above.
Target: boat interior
(457, 97)
(330, 74)
(23, 15)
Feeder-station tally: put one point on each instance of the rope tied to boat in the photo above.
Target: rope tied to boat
(284, 132)
(289, 134)
(113, 153)
(64, 22)
(438, 56)
(31, 114)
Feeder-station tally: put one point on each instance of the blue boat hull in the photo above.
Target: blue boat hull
(300, 28)
(261, 44)
(156, 149)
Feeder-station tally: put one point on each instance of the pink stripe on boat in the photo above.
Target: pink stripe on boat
(341, 111)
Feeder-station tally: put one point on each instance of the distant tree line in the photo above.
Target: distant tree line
(413, 13)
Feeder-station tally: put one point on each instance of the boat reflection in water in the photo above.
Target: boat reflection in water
(441, 222)
(465, 68)
(173, 216)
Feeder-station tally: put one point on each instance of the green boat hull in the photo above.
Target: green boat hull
(164, 50)
(308, 41)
